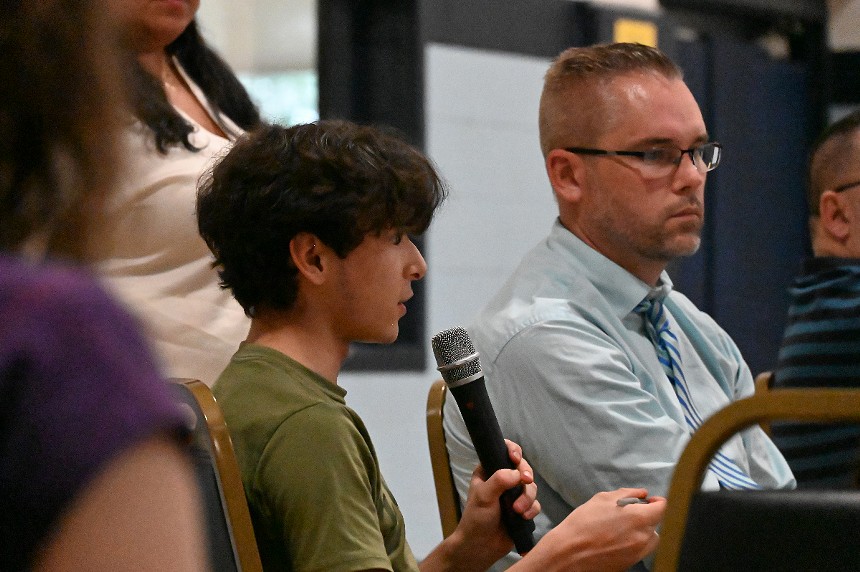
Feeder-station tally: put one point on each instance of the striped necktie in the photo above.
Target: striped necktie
(729, 475)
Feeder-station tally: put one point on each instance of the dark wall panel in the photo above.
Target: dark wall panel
(540, 28)
(370, 58)
(759, 212)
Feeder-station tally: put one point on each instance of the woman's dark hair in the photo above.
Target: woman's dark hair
(221, 86)
(334, 179)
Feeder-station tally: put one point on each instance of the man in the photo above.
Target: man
(571, 368)
(310, 227)
(821, 346)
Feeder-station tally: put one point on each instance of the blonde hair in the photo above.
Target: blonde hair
(575, 104)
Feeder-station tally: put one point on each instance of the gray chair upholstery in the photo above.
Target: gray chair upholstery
(772, 531)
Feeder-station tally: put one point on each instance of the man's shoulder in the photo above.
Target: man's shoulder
(526, 318)
(827, 276)
(548, 278)
(551, 286)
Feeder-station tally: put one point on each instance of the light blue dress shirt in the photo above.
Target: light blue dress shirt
(574, 379)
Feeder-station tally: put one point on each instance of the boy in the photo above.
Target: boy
(310, 225)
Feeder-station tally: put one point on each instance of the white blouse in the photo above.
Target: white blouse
(152, 257)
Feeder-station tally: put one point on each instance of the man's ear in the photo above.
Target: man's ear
(566, 173)
(836, 216)
(308, 254)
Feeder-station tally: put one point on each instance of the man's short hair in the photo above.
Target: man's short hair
(572, 95)
(834, 152)
(334, 179)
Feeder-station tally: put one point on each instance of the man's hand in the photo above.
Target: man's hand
(600, 535)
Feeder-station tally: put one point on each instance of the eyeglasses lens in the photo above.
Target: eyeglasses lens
(707, 157)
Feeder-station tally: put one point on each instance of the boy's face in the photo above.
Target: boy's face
(372, 285)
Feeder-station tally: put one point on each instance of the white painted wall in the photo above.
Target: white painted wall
(262, 35)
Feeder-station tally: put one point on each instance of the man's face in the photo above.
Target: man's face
(373, 283)
(634, 218)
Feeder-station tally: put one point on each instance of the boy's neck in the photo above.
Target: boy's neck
(308, 342)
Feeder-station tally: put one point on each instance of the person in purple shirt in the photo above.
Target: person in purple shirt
(92, 471)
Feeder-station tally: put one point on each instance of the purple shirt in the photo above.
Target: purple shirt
(77, 388)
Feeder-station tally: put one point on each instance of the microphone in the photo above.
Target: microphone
(460, 368)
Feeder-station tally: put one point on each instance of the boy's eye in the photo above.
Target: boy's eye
(399, 237)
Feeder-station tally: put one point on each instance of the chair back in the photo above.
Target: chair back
(764, 381)
(760, 530)
(231, 542)
(763, 384)
(446, 493)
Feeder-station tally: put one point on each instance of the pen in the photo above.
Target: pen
(631, 500)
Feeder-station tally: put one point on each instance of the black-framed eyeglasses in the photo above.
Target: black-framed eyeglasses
(846, 186)
(663, 161)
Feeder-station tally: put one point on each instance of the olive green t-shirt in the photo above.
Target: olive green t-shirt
(317, 498)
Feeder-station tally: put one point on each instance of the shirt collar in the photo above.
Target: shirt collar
(622, 290)
(820, 263)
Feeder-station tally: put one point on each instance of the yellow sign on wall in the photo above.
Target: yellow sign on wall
(637, 31)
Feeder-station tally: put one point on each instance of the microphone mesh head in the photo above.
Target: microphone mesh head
(453, 345)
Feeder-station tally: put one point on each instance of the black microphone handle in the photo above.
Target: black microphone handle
(480, 418)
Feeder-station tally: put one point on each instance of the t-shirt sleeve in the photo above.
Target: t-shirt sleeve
(77, 387)
(318, 478)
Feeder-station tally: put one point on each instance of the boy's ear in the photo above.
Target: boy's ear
(308, 254)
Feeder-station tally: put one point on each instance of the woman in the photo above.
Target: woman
(92, 469)
(188, 108)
